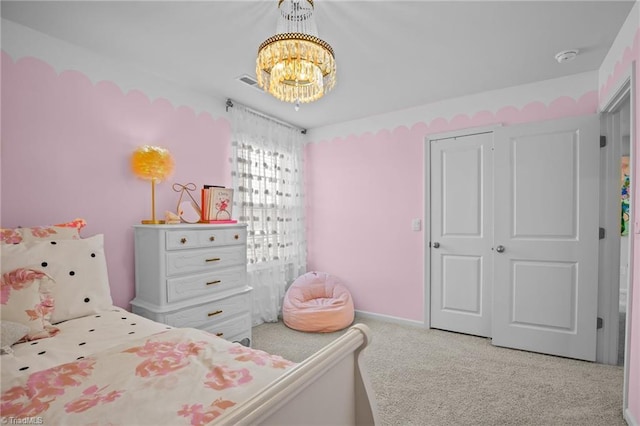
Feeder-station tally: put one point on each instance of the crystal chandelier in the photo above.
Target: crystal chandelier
(295, 65)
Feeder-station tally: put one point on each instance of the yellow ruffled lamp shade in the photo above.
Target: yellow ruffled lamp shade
(155, 164)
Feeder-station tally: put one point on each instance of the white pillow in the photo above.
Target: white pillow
(78, 267)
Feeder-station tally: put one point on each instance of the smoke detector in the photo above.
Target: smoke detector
(566, 55)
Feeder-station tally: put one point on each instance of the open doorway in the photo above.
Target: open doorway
(616, 224)
(624, 135)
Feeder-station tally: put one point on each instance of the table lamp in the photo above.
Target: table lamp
(155, 164)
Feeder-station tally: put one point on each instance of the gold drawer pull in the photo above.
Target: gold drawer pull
(212, 314)
(214, 282)
(236, 236)
(212, 238)
(183, 240)
(214, 259)
(219, 334)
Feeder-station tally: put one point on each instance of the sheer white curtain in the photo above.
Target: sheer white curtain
(266, 159)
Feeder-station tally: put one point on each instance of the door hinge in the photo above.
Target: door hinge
(601, 233)
(599, 323)
(603, 141)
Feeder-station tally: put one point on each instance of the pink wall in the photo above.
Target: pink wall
(66, 145)
(359, 208)
(363, 191)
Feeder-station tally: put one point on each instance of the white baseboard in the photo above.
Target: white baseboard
(628, 417)
(389, 318)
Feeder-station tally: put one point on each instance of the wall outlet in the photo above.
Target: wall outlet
(416, 224)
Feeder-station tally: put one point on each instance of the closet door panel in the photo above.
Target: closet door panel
(546, 237)
(461, 216)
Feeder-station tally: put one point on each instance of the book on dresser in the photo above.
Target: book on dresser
(194, 275)
(217, 204)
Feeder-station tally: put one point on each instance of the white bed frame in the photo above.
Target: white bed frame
(330, 387)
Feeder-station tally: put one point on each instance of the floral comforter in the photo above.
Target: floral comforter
(176, 377)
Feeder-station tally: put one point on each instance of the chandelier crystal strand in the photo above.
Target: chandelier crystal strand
(295, 65)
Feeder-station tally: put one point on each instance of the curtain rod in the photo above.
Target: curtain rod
(229, 104)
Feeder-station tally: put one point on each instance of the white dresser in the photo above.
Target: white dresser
(194, 276)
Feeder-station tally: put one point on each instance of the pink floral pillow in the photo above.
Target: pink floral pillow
(25, 297)
(60, 231)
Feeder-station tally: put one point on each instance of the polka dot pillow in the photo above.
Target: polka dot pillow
(78, 268)
(60, 231)
(26, 299)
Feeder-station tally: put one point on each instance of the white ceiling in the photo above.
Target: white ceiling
(390, 55)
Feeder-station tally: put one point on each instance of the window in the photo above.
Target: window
(268, 197)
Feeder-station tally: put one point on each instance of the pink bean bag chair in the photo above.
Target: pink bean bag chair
(317, 301)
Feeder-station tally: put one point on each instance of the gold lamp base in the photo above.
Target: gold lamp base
(152, 222)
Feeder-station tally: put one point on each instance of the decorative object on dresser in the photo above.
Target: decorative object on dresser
(188, 211)
(194, 276)
(155, 164)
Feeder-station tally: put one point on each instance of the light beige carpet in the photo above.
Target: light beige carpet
(433, 377)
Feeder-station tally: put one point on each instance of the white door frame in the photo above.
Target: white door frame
(609, 275)
(627, 86)
(427, 206)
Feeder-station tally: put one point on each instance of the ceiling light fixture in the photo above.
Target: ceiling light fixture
(295, 65)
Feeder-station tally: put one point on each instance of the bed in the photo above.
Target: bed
(81, 360)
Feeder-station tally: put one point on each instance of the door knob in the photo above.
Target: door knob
(500, 249)
(436, 245)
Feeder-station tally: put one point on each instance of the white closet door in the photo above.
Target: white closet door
(461, 228)
(546, 237)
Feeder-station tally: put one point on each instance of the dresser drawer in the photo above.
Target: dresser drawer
(204, 260)
(197, 238)
(223, 236)
(202, 285)
(233, 328)
(210, 313)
